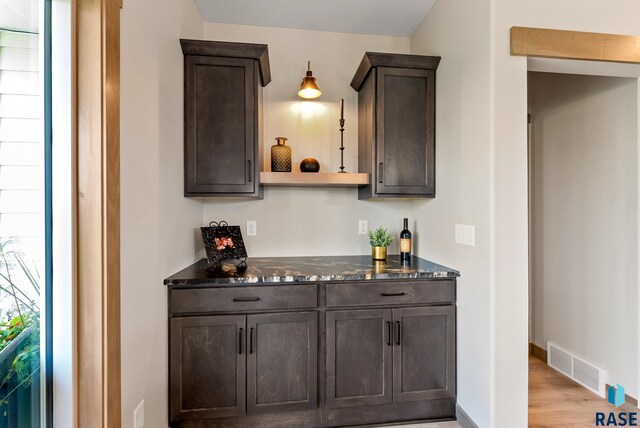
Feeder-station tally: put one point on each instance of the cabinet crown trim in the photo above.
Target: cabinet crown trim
(377, 59)
(259, 52)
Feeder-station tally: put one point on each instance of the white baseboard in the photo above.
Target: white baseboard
(463, 419)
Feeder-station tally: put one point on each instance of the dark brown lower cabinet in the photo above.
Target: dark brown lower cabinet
(332, 355)
(282, 362)
(207, 372)
(359, 357)
(390, 355)
(424, 353)
(213, 356)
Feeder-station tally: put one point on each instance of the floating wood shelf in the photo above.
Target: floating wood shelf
(314, 179)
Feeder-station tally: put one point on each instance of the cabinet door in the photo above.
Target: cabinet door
(207, 367)
(424, 354)
(282, 362)
(405, 126)
(358, 367)
(220, 125)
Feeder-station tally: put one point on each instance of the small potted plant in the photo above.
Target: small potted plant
(379, 240)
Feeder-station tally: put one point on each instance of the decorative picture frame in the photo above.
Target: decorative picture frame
(223, 242)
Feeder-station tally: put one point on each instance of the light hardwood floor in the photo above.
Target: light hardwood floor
(452, 424)
(557, 401)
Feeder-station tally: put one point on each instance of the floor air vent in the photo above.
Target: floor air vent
(586, 374)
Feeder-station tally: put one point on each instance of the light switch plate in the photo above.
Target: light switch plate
(363, 227)
(138, 416)
(466, 234)
(252, 228)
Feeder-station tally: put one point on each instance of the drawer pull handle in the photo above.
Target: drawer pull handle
(392, 294)
(246, 299)
(251, 340)
(240, 342)
(249, 172)
(380, 172)
(398, 333)
(389, 333)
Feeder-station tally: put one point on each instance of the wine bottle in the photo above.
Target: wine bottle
(405, 242)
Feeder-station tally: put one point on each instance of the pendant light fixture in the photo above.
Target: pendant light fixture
(308, 88)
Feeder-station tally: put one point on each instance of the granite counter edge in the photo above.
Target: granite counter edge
(289, 280)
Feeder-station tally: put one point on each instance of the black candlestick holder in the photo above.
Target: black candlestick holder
(342, 146)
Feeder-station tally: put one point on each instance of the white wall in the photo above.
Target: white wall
(508, 105)
(585, 210)
(157, 221)
(482, 178)
(485, 182)
(306, 221)
(160, 226)
(462, 165)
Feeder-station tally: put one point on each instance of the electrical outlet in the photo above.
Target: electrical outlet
(363, 227)
(138, 416)
(466, 235)
(252, 228)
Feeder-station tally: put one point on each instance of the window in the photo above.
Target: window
(24, 209)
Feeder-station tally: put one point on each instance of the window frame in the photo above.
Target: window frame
(47, 367)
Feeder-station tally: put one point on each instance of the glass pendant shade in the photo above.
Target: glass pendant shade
(309, 89)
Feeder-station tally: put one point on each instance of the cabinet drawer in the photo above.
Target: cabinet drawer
(240, 299)
(390, 293)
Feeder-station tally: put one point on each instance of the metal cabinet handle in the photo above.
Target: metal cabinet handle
(389, 333)
(380, 171)
(251, 340)
(249, 172)
(246, 299)
(392, 294)
(398, 333)
(240, 342)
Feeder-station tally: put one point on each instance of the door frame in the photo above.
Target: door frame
(619, 50)
(96, 135)
(578, 45)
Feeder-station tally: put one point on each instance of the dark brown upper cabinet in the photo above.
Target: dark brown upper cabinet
(396, 124)
(223, 117)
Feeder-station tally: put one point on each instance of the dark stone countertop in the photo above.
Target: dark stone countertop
(269, 270)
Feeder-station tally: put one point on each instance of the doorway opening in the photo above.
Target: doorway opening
(583, 238)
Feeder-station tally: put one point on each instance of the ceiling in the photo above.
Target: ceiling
(380, 17)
